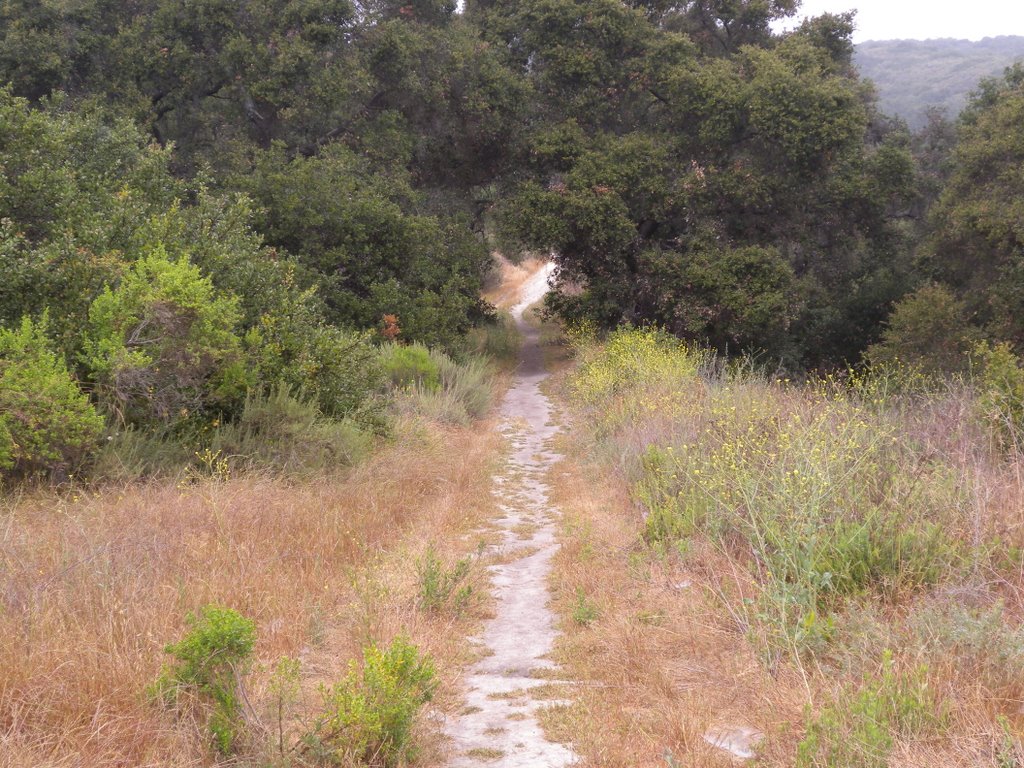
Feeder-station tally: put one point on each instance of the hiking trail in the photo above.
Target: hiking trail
(498, 725)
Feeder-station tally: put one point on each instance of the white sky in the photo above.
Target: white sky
(923, 19)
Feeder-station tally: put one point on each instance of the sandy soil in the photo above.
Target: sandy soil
(498, 725)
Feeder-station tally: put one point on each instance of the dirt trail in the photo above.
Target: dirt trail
(498, 725)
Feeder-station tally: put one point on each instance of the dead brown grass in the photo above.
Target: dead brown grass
(93, 585)
(660, 665)
(671, 656)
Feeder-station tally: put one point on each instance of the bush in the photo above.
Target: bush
(983, 645)
(132, 453)
(1001, 399)
(369, 715)
(827, 496)
(584, 610)
(47, 424)
(410, 365)
(340, 370)
(464, 393)
(210, 661)
(161, 345)
(467, 381)
(927, 329)
(825, 499)
(859, 729)
(287, 433)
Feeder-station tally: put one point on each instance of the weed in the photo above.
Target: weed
(410, 365)
(288, 433)
(284, 691)
(861, 727)
(463, 395)
(211, 464)
(210, 661)
(827, 496)
(584, 610)
(369, 715)
(1009, 755)
(980, 643)
(443, 588)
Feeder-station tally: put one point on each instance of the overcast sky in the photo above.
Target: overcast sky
(924, 19)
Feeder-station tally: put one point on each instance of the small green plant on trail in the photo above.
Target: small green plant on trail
(442, 587)
(369, 715)
(209, 662)
(584, 610)
(860, 728)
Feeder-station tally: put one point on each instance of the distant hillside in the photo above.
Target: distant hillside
(912, 75)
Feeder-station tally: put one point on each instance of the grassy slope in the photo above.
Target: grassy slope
(690, 633)
(914, 74)
(95, 583)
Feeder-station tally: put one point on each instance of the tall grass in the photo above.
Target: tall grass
(285, 433)
(441, 389)
(874, 494)
(499, 339)
(94, 583)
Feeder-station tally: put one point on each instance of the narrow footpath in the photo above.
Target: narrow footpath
(498, 725)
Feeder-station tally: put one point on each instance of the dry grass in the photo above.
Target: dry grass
(661, 664)
(93, 585)
(675, 649)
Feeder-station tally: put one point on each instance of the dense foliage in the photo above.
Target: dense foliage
(224, 201)
(46, 422)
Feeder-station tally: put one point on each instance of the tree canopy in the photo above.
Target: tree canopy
(320, 171)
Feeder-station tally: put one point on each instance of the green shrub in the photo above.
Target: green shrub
(983, 644)
(607, 379)
(584, 611)
(161, 345)
(1001, 398)
(369, 715)
(340, 370)
(927, 329)
(468, 381)
(285, 432)
(442, 587)
(47, 424)
(630, 355)
(209, 663)
(408, 365)
(464, 393)
(859, 729)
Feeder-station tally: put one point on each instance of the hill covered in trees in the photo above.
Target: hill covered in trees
(913, 75)
(201, 208)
